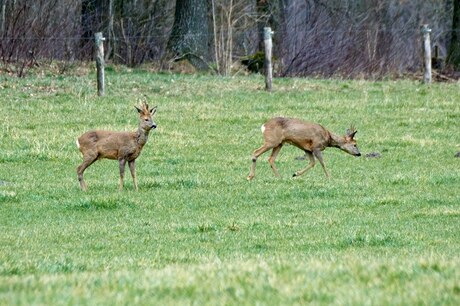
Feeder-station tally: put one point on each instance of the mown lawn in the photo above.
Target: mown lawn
(379, 231)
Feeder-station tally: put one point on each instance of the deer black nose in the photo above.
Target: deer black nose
(154, 126)
(359, 154)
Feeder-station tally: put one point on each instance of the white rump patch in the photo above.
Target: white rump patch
(262, 128)
(78, 144)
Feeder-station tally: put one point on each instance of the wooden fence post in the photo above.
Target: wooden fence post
(268, 58)
(100, 62)
(426, 53)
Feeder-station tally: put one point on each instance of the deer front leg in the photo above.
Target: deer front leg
(87, 161)
(256, 154)
(310, 165)
(132, 168)
(272, 158)
(319, 155)
(122, 164)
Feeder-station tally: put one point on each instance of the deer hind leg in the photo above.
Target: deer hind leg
(256, 154)
(311, 158)
(272, 158)
(87, 161)
(132, 168)
(319, 156)
(122, 164)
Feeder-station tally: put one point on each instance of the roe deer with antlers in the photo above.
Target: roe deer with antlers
(310, 137)
(122, 146)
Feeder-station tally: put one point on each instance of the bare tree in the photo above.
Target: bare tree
(312, 37)
(235, 32)
(354, 38)
(32, 32)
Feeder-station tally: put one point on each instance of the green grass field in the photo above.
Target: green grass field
(380, 231)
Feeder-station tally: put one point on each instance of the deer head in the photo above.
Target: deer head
(349, 144)
(145, 116)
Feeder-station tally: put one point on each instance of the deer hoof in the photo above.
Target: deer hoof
(249, 178)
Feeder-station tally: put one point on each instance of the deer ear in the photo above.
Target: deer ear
(351, 132)
(138, 109)
(153, 110)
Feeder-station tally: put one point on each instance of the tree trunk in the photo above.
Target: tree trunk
(3, 16)
(453, 56)
(189, 36)
(110, 31)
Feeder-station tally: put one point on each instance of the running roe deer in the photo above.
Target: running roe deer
(122, 146)
(310, 137)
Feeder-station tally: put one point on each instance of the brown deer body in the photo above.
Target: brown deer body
(122, 146)
(310, 137)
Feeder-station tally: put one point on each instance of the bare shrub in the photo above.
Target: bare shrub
(235, 32)
(353, 38)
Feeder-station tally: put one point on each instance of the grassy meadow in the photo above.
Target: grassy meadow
(380, 231)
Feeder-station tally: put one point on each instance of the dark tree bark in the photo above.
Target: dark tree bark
(190, 33)
(453, 56)
(87, 15)
(91, 15)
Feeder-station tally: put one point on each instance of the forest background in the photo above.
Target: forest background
(360, 38)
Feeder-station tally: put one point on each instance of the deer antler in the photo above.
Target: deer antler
(143, 105)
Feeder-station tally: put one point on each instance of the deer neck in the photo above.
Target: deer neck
(335, 141)
(142, 136)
